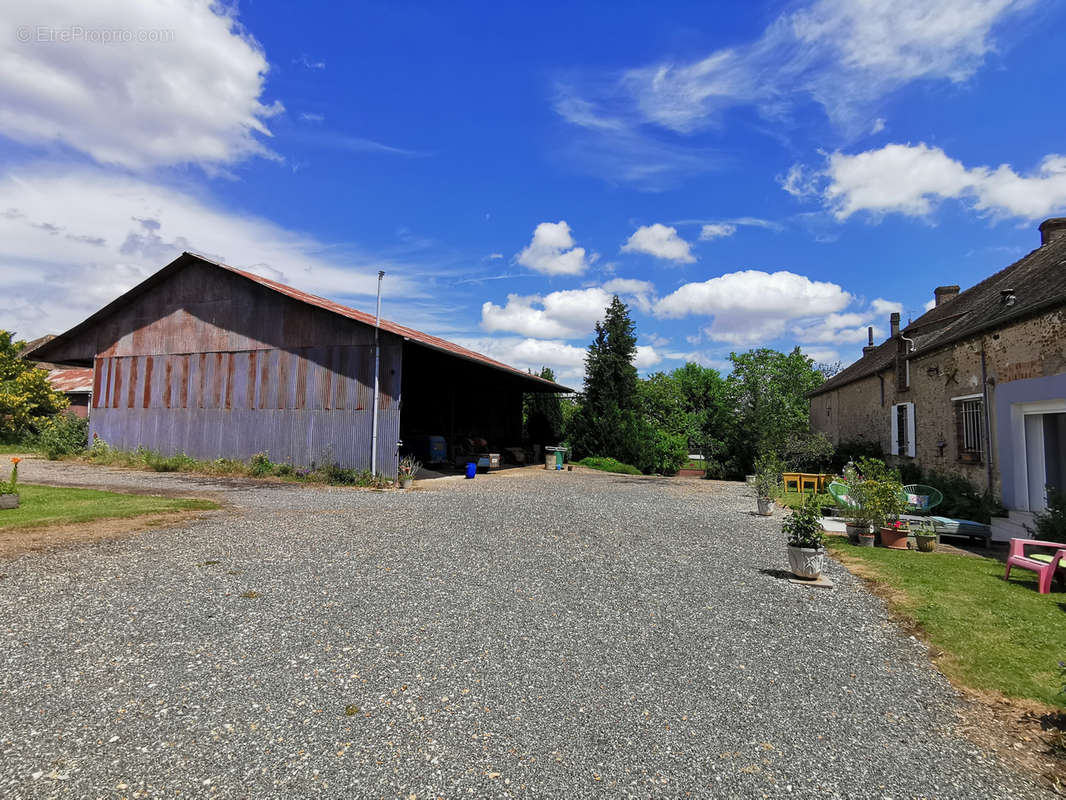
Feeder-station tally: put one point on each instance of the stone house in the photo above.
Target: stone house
(975, 386)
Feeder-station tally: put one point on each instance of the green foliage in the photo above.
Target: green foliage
(807, 451)
(797, 499)
(768, 471)
(880, 491)
(26, 397)
(1051, 522)
(997, 635)
(544, 414)
(962, 498)
(608, 465)
(10, 486)
(260, 465)
(63, 435)
(609, 402)
(767, 401)
(803, 526)
(848, 452)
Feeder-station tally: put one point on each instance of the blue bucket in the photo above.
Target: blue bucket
(471, 469)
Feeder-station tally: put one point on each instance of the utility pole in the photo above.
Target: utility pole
(377, 371)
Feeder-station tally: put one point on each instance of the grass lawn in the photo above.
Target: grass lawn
(48, 505)
(14, 450)
(608, 465)
(795, 499)
(996, 636)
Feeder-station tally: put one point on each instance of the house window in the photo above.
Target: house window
(903, 430)
(970, 429)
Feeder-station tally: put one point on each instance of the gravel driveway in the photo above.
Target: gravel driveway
(523, 634)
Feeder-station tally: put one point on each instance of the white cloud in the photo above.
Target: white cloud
(71, 241)
(639, 293)
(566, 360)
(660, 241)
(930, 305)
(848, 328)
(753, 306)
(311, 116)
(494, 256)
(912, 179)
(553, 251)
(883, 308)
(646, 356)
(716, 230)
(190, 93)
(821, 355)
(568, 314)
(843, 54)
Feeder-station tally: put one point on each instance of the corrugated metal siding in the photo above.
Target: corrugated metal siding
(303, 406)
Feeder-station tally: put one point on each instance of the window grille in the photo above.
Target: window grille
(971, 428)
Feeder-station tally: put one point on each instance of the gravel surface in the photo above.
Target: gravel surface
(522, 634)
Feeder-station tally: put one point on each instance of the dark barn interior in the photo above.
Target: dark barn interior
(460, 399)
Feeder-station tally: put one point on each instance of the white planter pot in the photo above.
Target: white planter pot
(9, 501)
(806, 562)
(855, 530)
(765, 507)
(407, 483)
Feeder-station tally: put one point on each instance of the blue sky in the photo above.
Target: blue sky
(771, 174)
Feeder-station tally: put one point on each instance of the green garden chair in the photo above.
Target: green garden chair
(841, 493)
(922, 498)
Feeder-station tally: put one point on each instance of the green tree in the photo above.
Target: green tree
(688, 402)
(767, 393)
(27, 400)
(544, 414)
(606, 418)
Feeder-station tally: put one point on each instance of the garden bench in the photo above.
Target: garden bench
(1045, 566)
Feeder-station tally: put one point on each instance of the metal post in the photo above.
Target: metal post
(377, 370)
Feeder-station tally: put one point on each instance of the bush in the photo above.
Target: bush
(853, 451)
(261, 466)
(803, 526)
(1051, 522)
(63, 435)
(807, 451)
(608, 465)
(768, 471)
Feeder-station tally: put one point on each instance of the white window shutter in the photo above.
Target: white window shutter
(895, 431)
(910, 430)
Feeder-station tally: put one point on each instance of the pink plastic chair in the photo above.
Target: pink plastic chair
(1045, 569)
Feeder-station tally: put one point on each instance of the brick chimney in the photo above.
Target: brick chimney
(1052, 230)
(945, 293)
(869, 340)
(893, 324)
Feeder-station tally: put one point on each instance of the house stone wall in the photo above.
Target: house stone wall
(1031, 348)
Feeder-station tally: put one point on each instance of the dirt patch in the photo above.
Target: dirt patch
(1028, 735)
(17, 541)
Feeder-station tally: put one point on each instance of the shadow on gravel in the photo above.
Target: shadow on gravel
(782, 574)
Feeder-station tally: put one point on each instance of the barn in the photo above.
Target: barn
(212, 361)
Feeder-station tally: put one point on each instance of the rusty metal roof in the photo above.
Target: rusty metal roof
(408, 334)
(71, 380)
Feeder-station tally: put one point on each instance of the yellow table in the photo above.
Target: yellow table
(806, 481)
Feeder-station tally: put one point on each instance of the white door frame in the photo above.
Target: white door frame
(1018, 413)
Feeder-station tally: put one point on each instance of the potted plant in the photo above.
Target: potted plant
(806, 555)
(883, 497)
(925, 537)
(9, 496)
(409, 466)
(766, 483)
(859, 519)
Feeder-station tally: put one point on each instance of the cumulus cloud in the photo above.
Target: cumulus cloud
(553, 251)
(568, 314)
(752, 306)
(660, 241)
(189, 92)
(566, 360)
(71, 241)
(913, 179)
(639, 293)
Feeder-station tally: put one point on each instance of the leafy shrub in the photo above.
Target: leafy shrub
(608, 465)
(852, 451)
(768, 469)
(261, 466)
(176, 463)
(807, 451)
(803, 526)
(1051, 522)
(63, 435)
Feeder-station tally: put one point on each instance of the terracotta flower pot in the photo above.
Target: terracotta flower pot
(894, 538)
